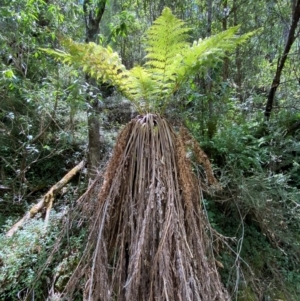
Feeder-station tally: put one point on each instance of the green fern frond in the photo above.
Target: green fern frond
(207, 52)
(101, 63)
(166, 40)
(141, 86)
(170, 60)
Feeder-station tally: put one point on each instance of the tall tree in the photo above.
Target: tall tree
(93, 11)
(289, 42)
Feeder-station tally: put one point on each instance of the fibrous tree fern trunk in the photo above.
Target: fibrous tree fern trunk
(147, 237)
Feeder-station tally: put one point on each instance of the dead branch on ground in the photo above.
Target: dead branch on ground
(47, 200)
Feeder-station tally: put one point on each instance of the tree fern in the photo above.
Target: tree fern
(170, 60)
(147, 235)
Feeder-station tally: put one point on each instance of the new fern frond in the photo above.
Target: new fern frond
(142, 86)
(170, 60)
(166, 41)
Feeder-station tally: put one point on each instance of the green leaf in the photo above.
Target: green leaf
(9, 74)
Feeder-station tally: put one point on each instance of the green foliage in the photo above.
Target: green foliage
(23, 259)
(37, 117)
(169, 61)
(122, 25)
(256, 163)
(20, 259)
(233, 149)
(259, 205)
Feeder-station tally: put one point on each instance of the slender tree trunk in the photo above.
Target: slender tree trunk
(93, 118)
(209, 17)
(211, 123)
(289, 42)
(238, 61)
(224, 27)
(93, 14)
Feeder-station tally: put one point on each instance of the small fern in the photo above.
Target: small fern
(170, 61)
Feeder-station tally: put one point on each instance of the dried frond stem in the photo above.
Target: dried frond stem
(199, 154)
(147, 237)
(186, 176)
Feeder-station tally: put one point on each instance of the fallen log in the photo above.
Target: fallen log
(47, 200)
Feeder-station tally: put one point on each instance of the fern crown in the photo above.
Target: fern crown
(170, 60)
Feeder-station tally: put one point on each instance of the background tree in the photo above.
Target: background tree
(93, 12)
(289, 43)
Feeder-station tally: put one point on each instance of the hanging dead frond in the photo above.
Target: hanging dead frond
(147, 236)
(200, 156)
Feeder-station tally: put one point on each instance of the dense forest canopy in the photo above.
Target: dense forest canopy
(243, 109)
